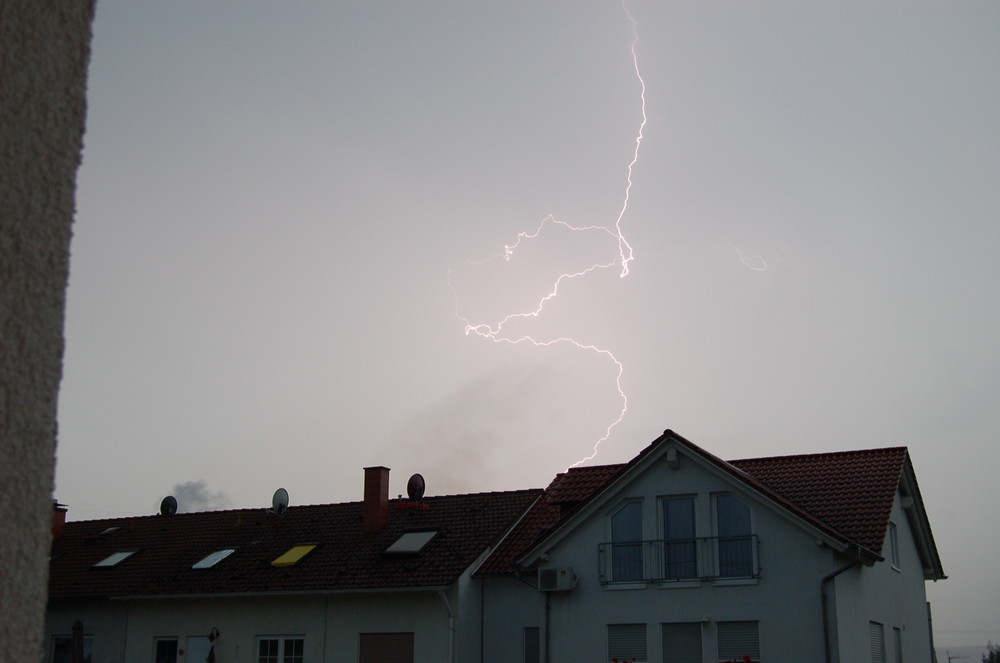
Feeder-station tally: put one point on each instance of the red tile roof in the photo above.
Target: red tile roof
(848, 494)
(345, 559)
(851, 491)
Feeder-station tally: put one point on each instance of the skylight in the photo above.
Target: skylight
(115, 559)
(214, 558)
(411, 542)
(294, 555)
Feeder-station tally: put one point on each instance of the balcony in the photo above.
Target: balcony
(679, 560)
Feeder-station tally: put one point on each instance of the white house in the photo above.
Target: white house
(676, 556)
(680, 557)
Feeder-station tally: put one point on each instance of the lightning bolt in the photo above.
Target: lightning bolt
(495, 331)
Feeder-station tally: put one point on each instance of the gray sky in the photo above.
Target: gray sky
(273, 196)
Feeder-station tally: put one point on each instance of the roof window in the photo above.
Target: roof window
(211, 560)
(410, 543)
(294, 554)
(115, 559)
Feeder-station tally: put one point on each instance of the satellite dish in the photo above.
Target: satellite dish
(168, 506)
(279, 502)
(415, 487)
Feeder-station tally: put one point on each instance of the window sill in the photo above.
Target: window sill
(734, 582)
(613, 587)
(895, 568)
(680, 584)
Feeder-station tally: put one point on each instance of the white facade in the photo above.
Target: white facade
(782, 602)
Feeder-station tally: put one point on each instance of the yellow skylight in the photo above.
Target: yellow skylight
(294, 555)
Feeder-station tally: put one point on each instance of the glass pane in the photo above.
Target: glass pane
(166, 651)
(267, 651)
(679, 553)
(735, 542)
(626, 548)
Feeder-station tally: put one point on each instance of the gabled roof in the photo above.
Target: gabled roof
(846, 496)
(345, 557)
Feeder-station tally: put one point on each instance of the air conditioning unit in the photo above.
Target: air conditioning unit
(552, 579)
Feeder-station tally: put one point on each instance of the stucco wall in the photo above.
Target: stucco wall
(44, 52)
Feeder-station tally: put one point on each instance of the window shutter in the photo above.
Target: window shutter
(627, 642)
(682, 643)
(738, 639)
(876, 637)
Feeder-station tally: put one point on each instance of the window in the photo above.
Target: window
(893, 545)
(275, 649)
(682, 643)
(532, 653)
(211, 560)
(62, 648)
(386, 648)
(876, 640)
(680, 559)
(897, 643)
(294, 554)
(165, 650)
(627, 642)
(410, 543)
(739, 641)
(626, 543)
(735, 544)
(114, 559)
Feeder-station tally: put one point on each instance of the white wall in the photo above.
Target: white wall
(786, 600)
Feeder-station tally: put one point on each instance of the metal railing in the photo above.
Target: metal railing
(678, 560)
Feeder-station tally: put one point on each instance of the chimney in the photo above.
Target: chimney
(375, 508)
(58, 519)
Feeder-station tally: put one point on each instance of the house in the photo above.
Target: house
(679, 556)
(675, 556)
(376, 580)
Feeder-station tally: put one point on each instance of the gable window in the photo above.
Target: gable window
(280, 649)
(893, 536)
(735, 537)
(165, 650)
(626, 543)
(682, 642)
(627, 642)
(739, 641)
(680, 559)
(62, 649)
(114, 559)
(385, 648)
(876, 642)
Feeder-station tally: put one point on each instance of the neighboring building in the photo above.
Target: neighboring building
(372, 581)
(678, 556)
(675, 556)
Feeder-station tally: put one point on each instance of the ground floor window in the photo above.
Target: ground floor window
(386, 648)
(682, 642)
(532, 652)
(876, 641)
(739, 641)
(62, 648)
(280, 649)
(627, 643)
(165, 650)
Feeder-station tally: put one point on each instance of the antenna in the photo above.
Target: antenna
(415, 488)
(279, 502)
(168, 506)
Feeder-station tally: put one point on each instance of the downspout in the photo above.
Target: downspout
(451, 626)
(826, 612)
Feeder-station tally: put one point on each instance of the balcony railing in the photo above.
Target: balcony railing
(678, 560)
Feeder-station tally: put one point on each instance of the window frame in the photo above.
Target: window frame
(893, 539)
(281, 655)
(619, 641)
(689, 544)
(725, 542)
(88, 648)
(692, 627)
(165, 639)
(627, 563)
(753, 654)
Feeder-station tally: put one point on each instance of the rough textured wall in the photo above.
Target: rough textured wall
(44, 51)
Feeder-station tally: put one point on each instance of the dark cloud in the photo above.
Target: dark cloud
(195, 496)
